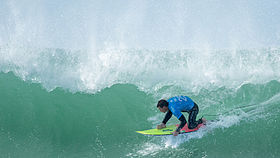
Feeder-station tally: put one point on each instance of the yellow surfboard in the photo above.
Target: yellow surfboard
(168, 130)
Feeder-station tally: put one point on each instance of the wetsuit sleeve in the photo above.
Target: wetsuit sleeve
(182, 124)
(167, 117)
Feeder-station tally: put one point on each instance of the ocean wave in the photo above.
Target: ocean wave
(149, 70)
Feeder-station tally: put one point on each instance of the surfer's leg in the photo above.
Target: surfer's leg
(192, 117)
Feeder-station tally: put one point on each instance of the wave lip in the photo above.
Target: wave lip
(149, 70)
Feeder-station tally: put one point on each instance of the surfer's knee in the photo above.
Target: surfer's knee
(191, 126)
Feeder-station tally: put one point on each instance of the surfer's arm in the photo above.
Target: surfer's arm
(182, 124)
(167, 117)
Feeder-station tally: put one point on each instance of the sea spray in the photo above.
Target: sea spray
(187, 69)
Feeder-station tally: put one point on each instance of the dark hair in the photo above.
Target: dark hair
(162, 103)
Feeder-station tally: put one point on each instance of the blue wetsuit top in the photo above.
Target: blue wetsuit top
(178, 104)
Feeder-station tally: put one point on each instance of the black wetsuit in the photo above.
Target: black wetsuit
(192, 118)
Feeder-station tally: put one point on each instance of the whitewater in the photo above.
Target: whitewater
(77, 79)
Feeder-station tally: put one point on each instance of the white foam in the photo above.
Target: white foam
(151, 71)
(147, 149)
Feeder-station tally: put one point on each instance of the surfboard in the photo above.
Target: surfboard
(168, 130)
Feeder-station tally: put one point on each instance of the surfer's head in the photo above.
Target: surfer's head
(162, 105)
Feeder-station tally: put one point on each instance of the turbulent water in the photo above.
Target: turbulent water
(78, 78)
(57, 103)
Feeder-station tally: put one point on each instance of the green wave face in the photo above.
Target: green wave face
(38, 123)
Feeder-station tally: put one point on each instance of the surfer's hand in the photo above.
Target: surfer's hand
(162, 125)
(175, 133)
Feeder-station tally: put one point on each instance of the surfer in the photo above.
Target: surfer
(177, 105)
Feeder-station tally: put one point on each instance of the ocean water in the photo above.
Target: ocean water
(56, 103)
(78, 78)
